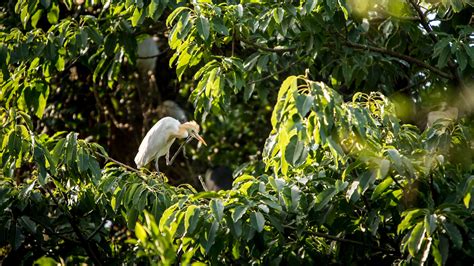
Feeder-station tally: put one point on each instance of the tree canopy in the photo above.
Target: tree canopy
(347, 125)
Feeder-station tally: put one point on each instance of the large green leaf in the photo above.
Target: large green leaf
(203, 27)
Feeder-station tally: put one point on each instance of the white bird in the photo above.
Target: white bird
(161, 136)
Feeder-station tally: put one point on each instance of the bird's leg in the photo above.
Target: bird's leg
(184, 153)
(169, 162)
(156, 166)
(167, 156)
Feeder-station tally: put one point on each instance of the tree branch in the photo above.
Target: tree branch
(72, 221)
(423, 21)
(274, 74)
(452, 65)
(97, 229)
(343, 240)
(267, 49)
(407, 58)
(153, 56)
(107, 158)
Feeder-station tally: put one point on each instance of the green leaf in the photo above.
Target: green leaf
(457, 5)
(167, 217)
(296, 152)
(140, 232)
(137, 17)
(217, 208)
(82, 158)
(396, 159)
(257, 221)
(28, 224)
(430, 224)
(278, 14)
(110, 44)
(238, 212)
(323, 198)
(276, 223)
(132, 216)
(295, 196)
(303, 104)
(381, 188)
(191, 219)
(95, 169)
(219, 27)
(310, 5)
(384, 167)
(211, 236)
(24, 16)
(416, 239)
(94, 34)
(46, 261)
(454, 234)
(407, 222)
(171, 17)
(53, 14)
(35, 18)
(203, 27)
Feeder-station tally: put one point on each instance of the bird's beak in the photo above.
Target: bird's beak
(196, 136)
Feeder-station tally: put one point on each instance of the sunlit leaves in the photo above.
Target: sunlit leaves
(203, 27)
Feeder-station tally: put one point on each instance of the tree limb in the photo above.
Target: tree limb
(267, 49)
(153, 56)
(72, 221)
(343, 240)
(407, 58)
(274, 74)
(423, 21)
(452, 65)
(107, 158)
(97, 229)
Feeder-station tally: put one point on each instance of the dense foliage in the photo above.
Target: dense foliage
(320, 107)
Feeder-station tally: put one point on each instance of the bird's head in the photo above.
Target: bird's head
(193, 130)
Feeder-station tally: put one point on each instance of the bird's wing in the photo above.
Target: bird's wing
(157, 141)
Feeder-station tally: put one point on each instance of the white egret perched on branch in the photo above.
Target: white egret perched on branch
(161, 136)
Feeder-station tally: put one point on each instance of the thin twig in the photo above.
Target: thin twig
(97, 229)
(267, 49)
(119, 163)
(400, 56)
(153, 56)
(274, 74)
(408, 87)
(343, 240)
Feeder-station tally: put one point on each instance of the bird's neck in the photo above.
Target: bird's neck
(182, 132)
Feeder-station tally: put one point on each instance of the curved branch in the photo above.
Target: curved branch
(407, 58)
